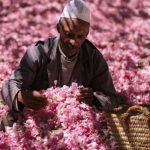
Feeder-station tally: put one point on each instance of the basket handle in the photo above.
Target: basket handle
(135, 110)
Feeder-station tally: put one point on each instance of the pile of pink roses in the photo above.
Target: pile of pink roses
(65, 124)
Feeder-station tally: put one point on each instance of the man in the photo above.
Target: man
(67, 58)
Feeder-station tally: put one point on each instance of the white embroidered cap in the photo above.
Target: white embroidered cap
(76, 9)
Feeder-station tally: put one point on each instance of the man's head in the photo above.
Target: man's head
(73, 27)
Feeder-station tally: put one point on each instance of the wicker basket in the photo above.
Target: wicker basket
(130, 128)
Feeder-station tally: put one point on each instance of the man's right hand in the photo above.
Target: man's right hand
(32, 99)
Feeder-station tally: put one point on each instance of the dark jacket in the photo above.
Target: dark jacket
(40, 67)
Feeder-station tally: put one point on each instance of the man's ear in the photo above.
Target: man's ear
(58, 29)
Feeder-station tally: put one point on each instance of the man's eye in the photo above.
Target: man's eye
(69, 35)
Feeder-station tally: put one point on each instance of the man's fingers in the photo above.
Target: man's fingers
(86, 93)
(88, 90)
(35, 106)
(87, 100)
(85, 96)
(37, 103)
(33, 99)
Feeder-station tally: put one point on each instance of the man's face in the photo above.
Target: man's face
(72, 35)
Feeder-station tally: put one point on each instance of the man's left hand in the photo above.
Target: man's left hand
(85, 95)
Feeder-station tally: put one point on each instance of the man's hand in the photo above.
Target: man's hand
(86, 95)
(32, 99)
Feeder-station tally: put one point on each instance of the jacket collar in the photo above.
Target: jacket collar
(50, 47)
(84, 55)
(54, 48)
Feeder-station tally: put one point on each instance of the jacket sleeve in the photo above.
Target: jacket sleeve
(102, 84)
(22, 77)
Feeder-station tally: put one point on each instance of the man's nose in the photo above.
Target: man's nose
(75, 42)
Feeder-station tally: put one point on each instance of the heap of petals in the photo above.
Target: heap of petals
(65, 124)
